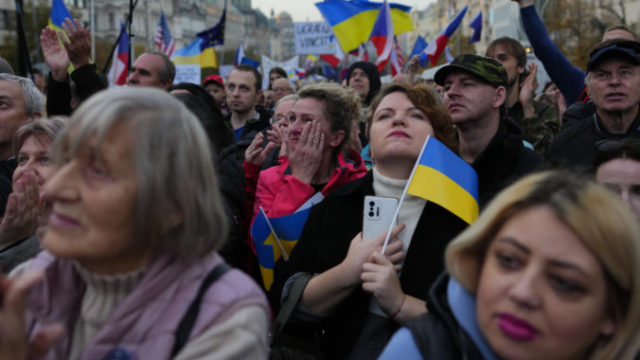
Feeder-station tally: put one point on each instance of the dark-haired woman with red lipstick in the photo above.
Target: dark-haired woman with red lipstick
(356, 295)
(548, 271)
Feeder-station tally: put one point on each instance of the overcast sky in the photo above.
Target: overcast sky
(303, 10)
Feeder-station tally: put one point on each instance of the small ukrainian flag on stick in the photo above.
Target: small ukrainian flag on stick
(442, 177)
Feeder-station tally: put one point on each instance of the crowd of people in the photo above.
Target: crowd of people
(127, 212)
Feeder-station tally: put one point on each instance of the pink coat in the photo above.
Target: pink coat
(280, 193)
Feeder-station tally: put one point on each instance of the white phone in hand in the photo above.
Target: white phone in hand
(377, 215)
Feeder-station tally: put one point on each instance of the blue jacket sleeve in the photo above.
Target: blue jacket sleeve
(568, 78)
(401, 346)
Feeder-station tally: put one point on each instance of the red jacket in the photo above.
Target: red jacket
(280, 193)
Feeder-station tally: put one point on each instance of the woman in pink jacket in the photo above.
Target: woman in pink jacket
(318, 160)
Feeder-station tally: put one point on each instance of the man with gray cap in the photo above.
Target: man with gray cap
(613, 84)
(475, 94)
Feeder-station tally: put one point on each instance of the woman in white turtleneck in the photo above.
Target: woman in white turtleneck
(357, 294)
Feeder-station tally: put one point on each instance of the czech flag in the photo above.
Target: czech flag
(436, 47)
(120, 62)
(445, 179)
(382, 36)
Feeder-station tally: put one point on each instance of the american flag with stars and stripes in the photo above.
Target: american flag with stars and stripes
(163, 37)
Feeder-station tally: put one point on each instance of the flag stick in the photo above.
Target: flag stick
(284, 253)
(404, 193)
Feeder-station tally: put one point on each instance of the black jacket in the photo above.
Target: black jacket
(253, 126)
(324, 244)
(575, 145)
(437, 333)
(86, 81)
(504, 161)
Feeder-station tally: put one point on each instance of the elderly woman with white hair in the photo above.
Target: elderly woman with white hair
(130, 269)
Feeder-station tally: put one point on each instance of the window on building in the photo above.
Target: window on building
(112, 21)
(5, 20)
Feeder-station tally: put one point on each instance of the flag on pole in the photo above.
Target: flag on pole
(352, 21)
(442, 177)
(309, 62)
(476, 25)
(215, 36)
(436, 47)
(360, 53)
(120, 62)
(58, 13)
(418, 46)
(336, 57)
(447, 54)
(382, 36)
(163, 38)
(197, 52)
(397, 58)
(240, 52)
(274, 238)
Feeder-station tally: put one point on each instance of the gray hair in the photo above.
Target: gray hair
(30, 93)
(178, 209)
(41, 128)
(286, 98)
(168, 70)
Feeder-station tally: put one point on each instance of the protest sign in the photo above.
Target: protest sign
(314, 38)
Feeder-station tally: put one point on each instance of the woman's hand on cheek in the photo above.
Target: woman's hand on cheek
(306, 156)
(380, 278)
(13, 344)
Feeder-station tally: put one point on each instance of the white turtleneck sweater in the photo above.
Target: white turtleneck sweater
(409, 214)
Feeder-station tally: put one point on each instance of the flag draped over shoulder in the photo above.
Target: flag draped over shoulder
(352, 21)
(445, 179)
(275, 238)
(436, 47)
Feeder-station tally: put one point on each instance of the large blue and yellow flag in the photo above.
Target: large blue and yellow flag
(196, 53)
(447, 180)
(352, 21)
(58, 13)
(275, 238)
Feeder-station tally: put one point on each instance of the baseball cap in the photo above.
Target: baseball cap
(213, 78)
(486, 68)
(619, 48)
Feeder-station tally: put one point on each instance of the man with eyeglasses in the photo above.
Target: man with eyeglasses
(613, 84)
(281, 87)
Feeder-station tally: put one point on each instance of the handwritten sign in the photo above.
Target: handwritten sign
(187, 73)
(314, 38)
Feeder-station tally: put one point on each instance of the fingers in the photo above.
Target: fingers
(14, 299)
(44, 340)
(379, 240)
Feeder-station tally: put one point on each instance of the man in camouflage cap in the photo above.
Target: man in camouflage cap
(475, 94)
(538, 120)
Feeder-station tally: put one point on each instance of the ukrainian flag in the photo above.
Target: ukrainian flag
(275, 238)
(58, 13)
(352, 21)
(196, 53)
(447, 180)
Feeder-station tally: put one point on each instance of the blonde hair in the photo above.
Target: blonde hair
(602, 221)
(173, 163)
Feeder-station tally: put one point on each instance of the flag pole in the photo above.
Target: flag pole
(24, 59)
(284, 253)
(113, 49)
(404, 193)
